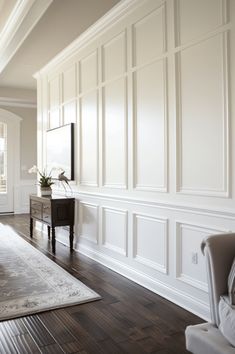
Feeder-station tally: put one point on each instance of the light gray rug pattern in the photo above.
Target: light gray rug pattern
(30, 282)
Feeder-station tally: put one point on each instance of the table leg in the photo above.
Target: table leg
(53, 239)
(48, 232)
(31, 227)
(71, 237)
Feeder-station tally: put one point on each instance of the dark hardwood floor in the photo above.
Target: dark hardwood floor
(128, 319)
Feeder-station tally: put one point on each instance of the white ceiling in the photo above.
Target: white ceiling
(44, 31)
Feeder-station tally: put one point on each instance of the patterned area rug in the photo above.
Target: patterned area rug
(30, 282)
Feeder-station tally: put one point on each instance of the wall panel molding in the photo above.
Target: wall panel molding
(89, 139)
(222, 213)
(184, 263)
(114, 135)
(200, 9)
(108, 56)
(224, 191)
(158, 186)
(88, 73)
(108, 237)
(88, 217)
(146, 256)
(159, 30)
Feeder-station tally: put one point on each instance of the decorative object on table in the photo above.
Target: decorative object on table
(30, 282)
(45, 180)
(64, 181)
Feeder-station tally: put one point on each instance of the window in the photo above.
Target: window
(3, 157)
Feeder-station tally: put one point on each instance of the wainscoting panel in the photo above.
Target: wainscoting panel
(22, 192)
(88, 222)
(150, 241)
(190, 263)
(114, 233)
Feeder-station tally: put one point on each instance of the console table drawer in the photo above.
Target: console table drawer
(36, 210)
(46, 213)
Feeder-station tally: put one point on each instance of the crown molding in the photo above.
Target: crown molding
(17, 102)
(110, 18)
(23, 18)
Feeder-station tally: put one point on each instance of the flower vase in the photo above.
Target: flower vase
(45, 191)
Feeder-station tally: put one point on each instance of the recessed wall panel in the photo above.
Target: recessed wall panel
(54, 92)
(115, 230)
(114, 57)
(69, 112)
(149, 37)
(88, 72)
(89, 139)
(114, 134)
(54, 118)
(203, 121)
(69, 84)
(88, 217)
(190, 262)
(150, 125)
(210, 13)
(150, 241)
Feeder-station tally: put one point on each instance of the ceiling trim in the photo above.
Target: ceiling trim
(17, 102)
(23, 18)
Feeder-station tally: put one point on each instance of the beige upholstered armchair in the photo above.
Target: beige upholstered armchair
(207, 338)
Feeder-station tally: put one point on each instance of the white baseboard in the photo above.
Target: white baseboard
(170, 293)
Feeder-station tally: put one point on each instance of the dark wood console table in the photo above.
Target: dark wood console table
(53, 211)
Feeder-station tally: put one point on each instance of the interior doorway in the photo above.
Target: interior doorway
(9, 159)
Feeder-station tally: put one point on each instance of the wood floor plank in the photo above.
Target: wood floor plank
(24, 344)
(85, 338)
(21, 340)
(52, 349)
(7, 345)
(14, 327)
(38, 332)
(57, 327)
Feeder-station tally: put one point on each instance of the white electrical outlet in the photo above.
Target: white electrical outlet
(194, 258)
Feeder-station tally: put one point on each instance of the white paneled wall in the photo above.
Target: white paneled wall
(114, 238)
(150, 90)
